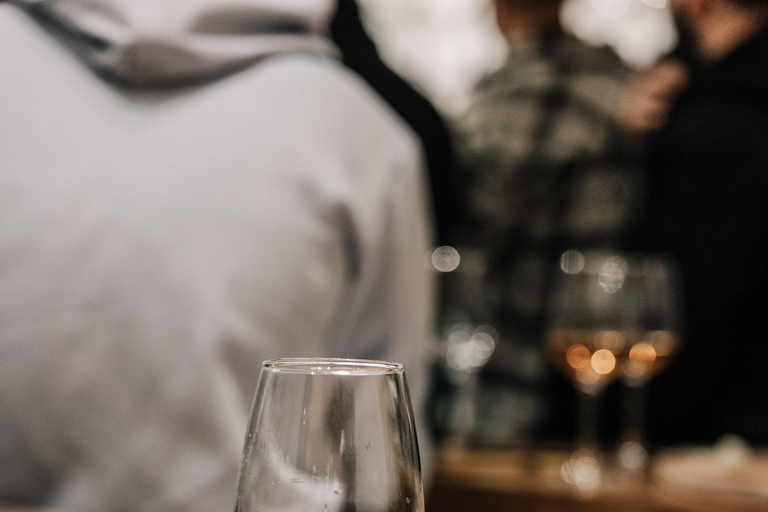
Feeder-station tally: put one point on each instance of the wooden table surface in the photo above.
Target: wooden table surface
(529, 480)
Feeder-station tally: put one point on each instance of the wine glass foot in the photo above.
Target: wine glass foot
(633, 456)
(583, 471)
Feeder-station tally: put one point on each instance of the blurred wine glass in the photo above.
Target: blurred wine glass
(653, 302)
(468, 349)
(468, 339)
(331, 435)
(587, 323)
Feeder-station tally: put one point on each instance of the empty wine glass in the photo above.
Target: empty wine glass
(653, 295)
(587, 321)
(468, 349)
(331, 435)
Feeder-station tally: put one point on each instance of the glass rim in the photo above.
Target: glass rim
(332, 366)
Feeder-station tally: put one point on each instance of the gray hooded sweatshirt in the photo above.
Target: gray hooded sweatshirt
(187, 188)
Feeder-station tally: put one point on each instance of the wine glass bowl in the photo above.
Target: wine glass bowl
(331, 435)
(655, 336)
(649, 356)
(587, 318)
(613, 316)
(590, 315)
(656, 326)
(586, 357)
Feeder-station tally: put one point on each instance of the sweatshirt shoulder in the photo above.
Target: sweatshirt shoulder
(324, 86)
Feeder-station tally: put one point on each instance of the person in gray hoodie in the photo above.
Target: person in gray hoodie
(187, 188)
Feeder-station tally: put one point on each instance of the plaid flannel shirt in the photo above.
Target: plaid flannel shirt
(544, 168)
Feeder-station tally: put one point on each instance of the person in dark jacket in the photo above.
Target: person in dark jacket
(359, 53)
(708, 207)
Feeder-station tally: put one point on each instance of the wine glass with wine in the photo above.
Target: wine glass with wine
(654, 338)
(587, 327)
(331, 435)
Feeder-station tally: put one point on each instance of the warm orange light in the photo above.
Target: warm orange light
(588, 378)
(642, 353)
(603, 361)
(612, 341)
(578, 357)
(663, 342)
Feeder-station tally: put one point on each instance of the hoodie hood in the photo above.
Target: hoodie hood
(161, 43)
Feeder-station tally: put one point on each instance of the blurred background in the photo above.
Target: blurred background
(444, 47)
(580, 296)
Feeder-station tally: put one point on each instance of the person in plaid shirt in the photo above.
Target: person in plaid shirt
(545, 168)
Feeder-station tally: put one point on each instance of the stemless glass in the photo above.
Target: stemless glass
(331, 435)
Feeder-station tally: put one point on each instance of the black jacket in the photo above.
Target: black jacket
(708, 206)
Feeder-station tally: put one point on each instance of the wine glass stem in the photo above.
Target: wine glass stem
(634, 413)
(463, 413)
(589, 418)
(633, 452)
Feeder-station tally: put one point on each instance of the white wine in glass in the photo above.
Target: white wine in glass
(588, 357)
(331, 435)
(588, 320)
(654, 339)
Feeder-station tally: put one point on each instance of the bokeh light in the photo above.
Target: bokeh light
(572, 262)
(578, 357)
(663, 342)
(612, 341)
(643, 353)
(612, 274)
(603, 361)
(445, 259)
